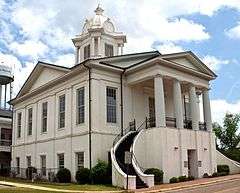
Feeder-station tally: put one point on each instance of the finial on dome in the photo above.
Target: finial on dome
(99, 10)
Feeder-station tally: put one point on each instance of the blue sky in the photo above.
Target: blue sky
(39, 30)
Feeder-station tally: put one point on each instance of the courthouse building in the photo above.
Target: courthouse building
(109, 103)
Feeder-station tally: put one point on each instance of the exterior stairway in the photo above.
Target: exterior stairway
(119, 153)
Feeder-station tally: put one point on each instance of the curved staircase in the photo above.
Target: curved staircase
(119, 153)
(128, 176)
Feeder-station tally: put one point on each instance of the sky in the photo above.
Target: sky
(32, 30)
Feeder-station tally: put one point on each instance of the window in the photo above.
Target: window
(30, 121)
(87, 52)
(111, 105)
(80, 105)
(18, 165)
(61, 160)
(19, 124)
(62, 111)
(28, 161)
(44, 116)
(80, 160)
(43, 164)
(108, 50)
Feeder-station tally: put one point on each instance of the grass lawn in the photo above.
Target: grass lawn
(22, 190)
(70, 186)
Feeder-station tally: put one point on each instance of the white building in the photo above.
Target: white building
(69, 117)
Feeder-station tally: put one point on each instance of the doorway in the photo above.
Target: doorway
(192, 163)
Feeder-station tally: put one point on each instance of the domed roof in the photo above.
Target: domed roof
(99, 21)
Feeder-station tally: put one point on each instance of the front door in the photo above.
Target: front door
(151, 103)
(192, 163)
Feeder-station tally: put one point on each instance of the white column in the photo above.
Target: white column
(177, 101)
(99, 46)
(159, 102)
(92, 47)
(193, 107)
(77, 55)
(118, 46)
(207, 110)
(121, 49)
(0, 96)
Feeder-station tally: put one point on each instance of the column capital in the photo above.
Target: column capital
(158, 76)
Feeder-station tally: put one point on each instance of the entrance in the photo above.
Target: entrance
(192, 163)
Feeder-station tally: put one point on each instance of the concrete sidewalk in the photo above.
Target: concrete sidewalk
(189, 184)
(155, 189)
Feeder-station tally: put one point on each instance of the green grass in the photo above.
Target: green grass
(22, 190)
(70, 186)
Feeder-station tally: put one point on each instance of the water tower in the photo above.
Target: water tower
(6, 79)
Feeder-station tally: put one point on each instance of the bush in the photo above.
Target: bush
(222, 173)
(223, 168)
(30, 171)
(158, 174)
(83, 176)
(173, 180)
(64, 175)
(182, 178)
(190, 178)
(215, 174)
(100, 173)
(205, 175)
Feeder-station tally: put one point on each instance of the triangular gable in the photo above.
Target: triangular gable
(42, 74)
(189, 60)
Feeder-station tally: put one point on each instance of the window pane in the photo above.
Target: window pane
(19, 124)
(62, 111)
(43, 165)
(108, 50)
(80, 160)
(80, 105)
(30, 121)
(87, 52)
(44, 116)
(111, 105)
(60, 161)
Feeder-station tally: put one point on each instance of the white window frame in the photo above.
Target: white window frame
(19, 124)
(113, 107)
(60, 166)
(44, 117)
(43, 168)
(28, 161)
(30, 119)
(61, 112)
(80, 107)
(87, 51)
(79, 165)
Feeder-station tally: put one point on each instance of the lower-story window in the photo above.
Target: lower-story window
(80, 160)
(28, 161)
(61, 160)
(18, 165)
(43, 164)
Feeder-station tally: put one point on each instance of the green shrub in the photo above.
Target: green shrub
(30, 171)
(222, 173)
(100, 173)
(83, 176)
(158, 174)
(205, 175)
(173, 180)
(64, 175)
(182, 178)
(223, 168)
(190, 178)
(215, 174)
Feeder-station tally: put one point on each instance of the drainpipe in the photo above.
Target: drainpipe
(89, 115)
(121, 82)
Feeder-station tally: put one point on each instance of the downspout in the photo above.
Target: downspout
(89, 116)
(121, 82)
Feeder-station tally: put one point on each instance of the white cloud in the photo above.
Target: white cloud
(29, 48)
(169, 47)
(220, 107)
(66, 60)
(214, 63)
(234, 32)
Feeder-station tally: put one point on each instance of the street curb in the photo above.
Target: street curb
(189, 186)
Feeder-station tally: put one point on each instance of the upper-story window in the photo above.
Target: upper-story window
(30, 121)
(44, 116)
(62, 111)
(87, 52)
(19, 124)
(80, 105)
(108, 50)
(111, 105)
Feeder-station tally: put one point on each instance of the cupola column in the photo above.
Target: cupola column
(77, 55)
(121, 46)
(99, 46)
(92, 47)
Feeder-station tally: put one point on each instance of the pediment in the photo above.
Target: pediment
(190, 61)
(42, 74)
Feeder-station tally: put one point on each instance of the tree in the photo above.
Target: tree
(227, 135)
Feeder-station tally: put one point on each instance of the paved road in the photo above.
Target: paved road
(223, 187)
